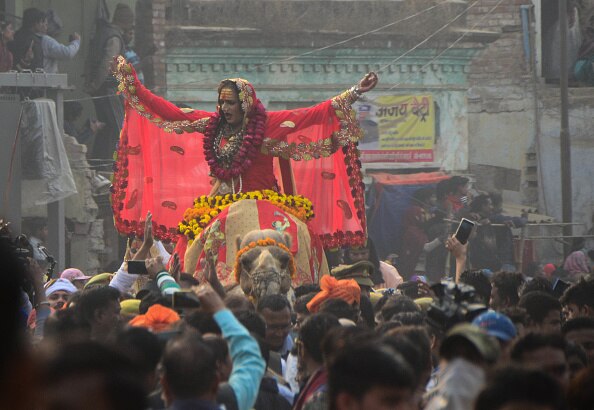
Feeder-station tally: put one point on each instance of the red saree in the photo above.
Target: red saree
(161, 165)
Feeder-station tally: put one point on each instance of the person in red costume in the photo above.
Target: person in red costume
(161, 168)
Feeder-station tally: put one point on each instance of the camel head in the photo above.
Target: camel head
(264, 269)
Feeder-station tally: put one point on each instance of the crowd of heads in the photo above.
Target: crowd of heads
(503, 342)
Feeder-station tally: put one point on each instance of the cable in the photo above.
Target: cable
(453, 44)
(357, 36)
(294, 57)
(92, 98)
(439, 30)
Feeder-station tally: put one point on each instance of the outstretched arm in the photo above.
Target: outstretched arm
(316, 131)
(367, 83)
(163, 113)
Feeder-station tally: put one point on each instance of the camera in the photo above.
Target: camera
(455, 303)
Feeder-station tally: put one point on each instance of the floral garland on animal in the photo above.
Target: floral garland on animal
(206, 208)
(263, 242)
(246, 143)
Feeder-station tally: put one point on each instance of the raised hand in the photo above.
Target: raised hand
(368, 82)
(148, 230)
(154, 266)
(210, 300)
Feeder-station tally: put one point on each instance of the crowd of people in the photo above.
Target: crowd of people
(433, 216)
(164, 341)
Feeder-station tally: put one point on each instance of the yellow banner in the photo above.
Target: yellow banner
(405, 122)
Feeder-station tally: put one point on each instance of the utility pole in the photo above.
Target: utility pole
(564, 138)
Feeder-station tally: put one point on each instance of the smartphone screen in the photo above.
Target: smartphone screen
(464, 230)
(137, 267)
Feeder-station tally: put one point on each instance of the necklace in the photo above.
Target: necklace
(226, 153)
(235, 157)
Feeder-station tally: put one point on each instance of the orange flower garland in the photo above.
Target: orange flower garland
(263, 242)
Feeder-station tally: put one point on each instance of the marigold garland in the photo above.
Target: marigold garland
(263, 242)
(206, 208)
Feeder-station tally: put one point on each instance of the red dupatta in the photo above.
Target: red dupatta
(160, 164)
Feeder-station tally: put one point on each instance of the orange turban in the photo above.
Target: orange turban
(346, 289)
(157, 318)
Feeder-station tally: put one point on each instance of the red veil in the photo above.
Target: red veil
(161, 165)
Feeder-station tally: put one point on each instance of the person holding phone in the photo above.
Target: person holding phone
(483, 249)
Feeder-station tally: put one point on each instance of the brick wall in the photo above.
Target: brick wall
(501, 63)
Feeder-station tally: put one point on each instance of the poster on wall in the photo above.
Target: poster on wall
(398, 128)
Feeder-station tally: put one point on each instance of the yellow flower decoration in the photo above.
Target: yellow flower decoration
(207, 208)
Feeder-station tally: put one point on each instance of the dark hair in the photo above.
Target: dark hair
(65, 325)
(141, 346)
(300, 305)
(419, 336)
(97, 298)
(479, 202)
(121, 380)
(516, 314)
(340, 338)
(189, 366)
(360, 368)
(398, 304)
(219, 347)
(409, 288)
(312, 332)
(480, 282)
(526, 386)
(410, 352)
(306, 289)
(385, 327)
(581, 293)
(578, 323)
(534, 341)
(32, 16)
(276, 303)
(443, 188)
(508, 286)
(457, 181)
(496, 198)
(253, 322)
(409, 318)
(538, 304)
(340, 309)
(203, 322)
(238, 303)
(538, 283)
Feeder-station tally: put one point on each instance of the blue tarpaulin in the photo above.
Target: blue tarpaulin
(389, 197)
